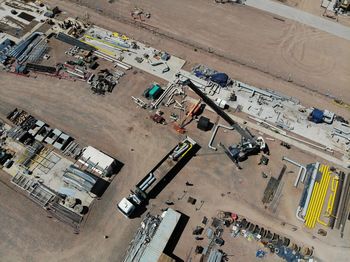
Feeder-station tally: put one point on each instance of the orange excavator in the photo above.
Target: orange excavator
(180, 128)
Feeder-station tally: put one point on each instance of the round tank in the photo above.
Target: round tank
(78, 209)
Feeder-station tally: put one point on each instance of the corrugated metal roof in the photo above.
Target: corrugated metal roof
(161, 237)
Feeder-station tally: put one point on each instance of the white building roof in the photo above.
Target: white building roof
(97, 157)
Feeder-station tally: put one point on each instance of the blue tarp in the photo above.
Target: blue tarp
(199, 74)
(260, 253)
(220, 78)
(287, 254)
(317, 116)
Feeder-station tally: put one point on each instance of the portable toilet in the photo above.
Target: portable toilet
(155, 92)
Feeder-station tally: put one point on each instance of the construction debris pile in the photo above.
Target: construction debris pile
(73, 27)
(104, 81)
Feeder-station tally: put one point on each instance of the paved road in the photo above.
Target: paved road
(302, 17)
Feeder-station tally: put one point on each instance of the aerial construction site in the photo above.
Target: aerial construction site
(174, 130)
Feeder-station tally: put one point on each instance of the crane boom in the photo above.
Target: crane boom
(243, 132)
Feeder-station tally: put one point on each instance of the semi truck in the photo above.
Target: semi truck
(137, 198)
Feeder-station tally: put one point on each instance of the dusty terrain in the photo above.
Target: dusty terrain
(113, 124)
(312, 59)
(261, 55)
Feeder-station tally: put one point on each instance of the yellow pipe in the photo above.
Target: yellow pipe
(110, 53)
(310, 209)
(105, 42)
(316, 197)
(319, 197)
(309, 214)
(333, 195)
(324, 193)
(329, 205)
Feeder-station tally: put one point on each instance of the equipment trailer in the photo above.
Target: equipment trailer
(136, 199)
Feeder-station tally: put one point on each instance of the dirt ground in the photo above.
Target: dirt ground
(114, 124)
(312, 59)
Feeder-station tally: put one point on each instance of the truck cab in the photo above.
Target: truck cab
(128, 205)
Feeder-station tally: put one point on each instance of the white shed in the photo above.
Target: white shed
(97, 161)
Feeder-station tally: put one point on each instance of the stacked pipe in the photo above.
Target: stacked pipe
(112, 59)
(343, 209)
(333, 215)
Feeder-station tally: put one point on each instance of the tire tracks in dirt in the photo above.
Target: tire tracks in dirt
(292, 49)
(69, 5)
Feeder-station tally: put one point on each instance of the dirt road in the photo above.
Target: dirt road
(322, 24)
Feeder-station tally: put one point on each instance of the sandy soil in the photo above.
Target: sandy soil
(113, 124)
(312, 59)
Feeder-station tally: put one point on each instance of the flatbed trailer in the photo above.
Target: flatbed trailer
(155, 177)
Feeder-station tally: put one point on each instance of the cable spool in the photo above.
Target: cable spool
(275, 236)
(295, 247)
(269, 235)
(286, 241)
(256, 229)
(305, 251)
(262, 232)
(251, 227)
(203, 123)
(243, 223)
(78, 208)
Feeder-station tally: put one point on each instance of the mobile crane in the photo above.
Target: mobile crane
(249, 145)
